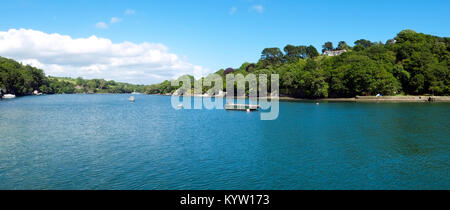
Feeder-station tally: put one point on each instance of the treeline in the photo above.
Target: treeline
(59, 85)
(21, 80)
(18, 79)
(410, 64)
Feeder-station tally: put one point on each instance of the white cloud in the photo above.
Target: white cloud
(115, 20)
(101, 25)
(233, 10)
(94, 57)
(130, 12)
(257, 8)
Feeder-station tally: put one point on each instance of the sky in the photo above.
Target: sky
(148, 41)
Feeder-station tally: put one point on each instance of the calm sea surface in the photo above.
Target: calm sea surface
(106, 142)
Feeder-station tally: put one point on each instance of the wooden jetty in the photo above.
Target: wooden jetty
(241, 107)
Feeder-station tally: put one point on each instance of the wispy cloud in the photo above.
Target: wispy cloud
(233, 10)
(101, 25)
(130, 12)
(115, 20)
(105, 25)
(257, 8)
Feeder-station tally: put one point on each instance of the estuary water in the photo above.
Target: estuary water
(106, 142)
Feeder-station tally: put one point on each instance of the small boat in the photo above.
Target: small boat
(36, 93)
(180, 106)
(132, 99)
(9, 96)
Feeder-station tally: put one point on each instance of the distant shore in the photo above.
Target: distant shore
(360, 98)
(378, 99)
(410, 99)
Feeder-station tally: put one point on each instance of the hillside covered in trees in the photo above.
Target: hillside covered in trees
(21, 80)
(410, 64)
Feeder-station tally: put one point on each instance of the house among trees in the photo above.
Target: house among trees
(334, 52)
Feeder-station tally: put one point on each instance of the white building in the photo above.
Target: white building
(334, 52)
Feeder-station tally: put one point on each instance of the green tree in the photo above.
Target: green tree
(294, 53)
(328, 46)
(311, 52)
(272, 56)
(343, 46)
(362, 44)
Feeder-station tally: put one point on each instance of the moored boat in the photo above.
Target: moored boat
(8, 96)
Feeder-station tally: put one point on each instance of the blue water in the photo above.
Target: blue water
(106, 142)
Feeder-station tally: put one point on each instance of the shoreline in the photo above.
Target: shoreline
(365, 99)
(405, 99)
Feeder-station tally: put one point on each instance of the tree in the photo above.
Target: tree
(294, 53)
(18, 79)
(311, 52)
(328, 46)
(290, 51)
(343, 46)
(313, 85)
(79, 81)
(311, 65)
(362, 43)
(272, 56)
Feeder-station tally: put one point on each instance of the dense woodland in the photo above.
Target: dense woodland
(409, 64)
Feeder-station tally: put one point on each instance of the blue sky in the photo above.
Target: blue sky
(217, 34)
